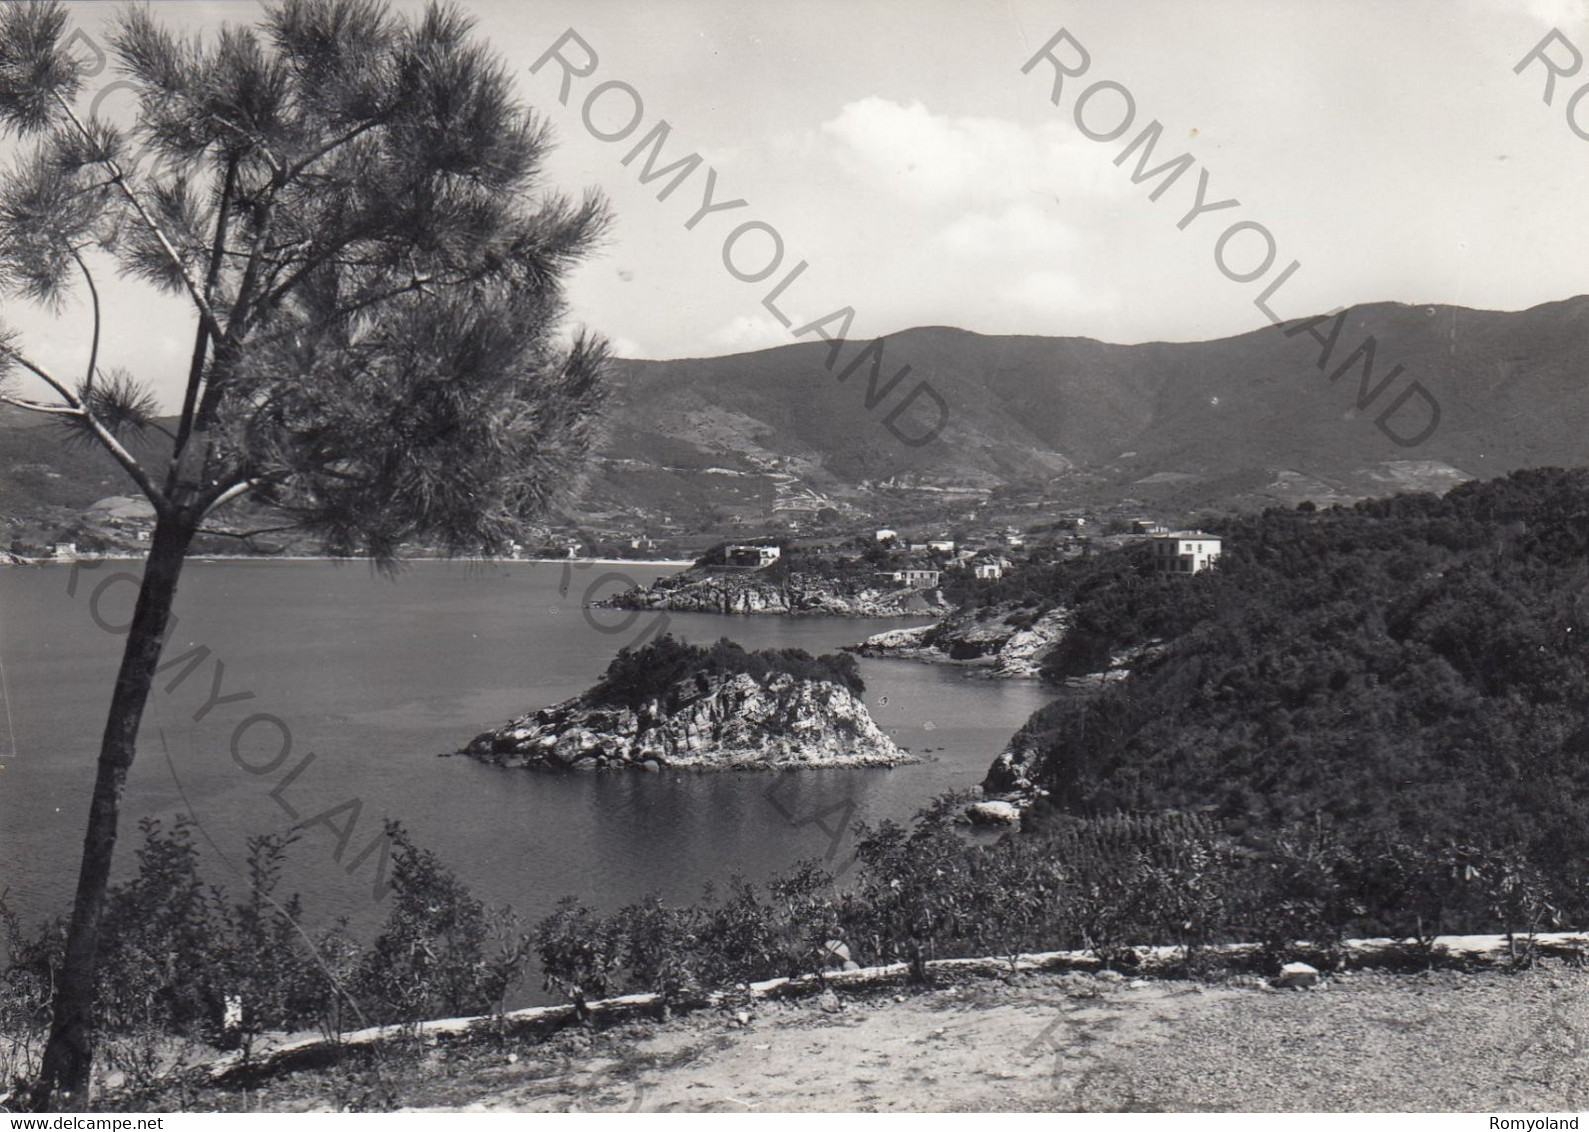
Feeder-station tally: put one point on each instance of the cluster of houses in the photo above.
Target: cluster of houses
(115, 522)
(1174, 552)
(986, 563)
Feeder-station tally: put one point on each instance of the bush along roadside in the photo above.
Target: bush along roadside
(189, 963)
(186, 970)
(1105, 886)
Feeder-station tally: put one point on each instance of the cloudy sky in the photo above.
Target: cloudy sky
(896, 147)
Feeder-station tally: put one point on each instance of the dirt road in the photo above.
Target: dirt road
(1441, 1040)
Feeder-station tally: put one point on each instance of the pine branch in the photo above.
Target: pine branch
(119, 178)
(331, 147)
(201, 338)
(38, 407)
(106, 439)
(239, 320)
(93, 294)
(245, 536)
(225, 495)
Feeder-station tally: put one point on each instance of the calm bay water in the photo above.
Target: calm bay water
(373, 677)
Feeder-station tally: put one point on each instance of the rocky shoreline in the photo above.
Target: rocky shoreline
(733, 723)
(1003, 641)
(745, 592)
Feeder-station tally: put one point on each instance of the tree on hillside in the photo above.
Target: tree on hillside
(350, 203)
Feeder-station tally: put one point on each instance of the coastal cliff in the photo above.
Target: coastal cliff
(764, 592)
(1003, 640)
(1014, 780)
(674, 705)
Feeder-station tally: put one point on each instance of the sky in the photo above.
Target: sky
(897, 148)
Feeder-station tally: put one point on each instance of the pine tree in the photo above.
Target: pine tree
(350, 204)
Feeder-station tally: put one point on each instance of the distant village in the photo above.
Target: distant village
(823, 540)
(919, 562)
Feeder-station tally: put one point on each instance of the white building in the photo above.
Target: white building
(886, 535)
(990, 568)
(754, 557)
(942, 545)
(66, 550)
(917, 577)
(1185, 552)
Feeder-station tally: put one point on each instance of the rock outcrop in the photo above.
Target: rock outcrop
(1014, 774)
(1017, 772)
(1004, 640)
(994, 813)
(725, 591)
(732, 723)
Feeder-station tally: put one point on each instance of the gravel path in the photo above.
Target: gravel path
(1485, 1041)
(1440, 1041)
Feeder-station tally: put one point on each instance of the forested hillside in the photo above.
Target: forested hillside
(1407, 668)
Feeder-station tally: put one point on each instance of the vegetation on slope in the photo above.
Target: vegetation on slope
(656, 668)
(183, 960)
(1414, 666)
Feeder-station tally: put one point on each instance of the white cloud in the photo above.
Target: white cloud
(1021, 229)
(622, 347)
(753, 332)
(932, 158)
(1057, 293)
(1568, 15)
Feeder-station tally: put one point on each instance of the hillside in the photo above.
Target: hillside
(1411, 668)
(1237, 422)
(1233, 421)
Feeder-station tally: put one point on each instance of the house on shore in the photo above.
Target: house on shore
(750, 556)
(1185, 552)
(917, 576)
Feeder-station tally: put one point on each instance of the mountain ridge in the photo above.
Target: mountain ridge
(1036, 409)
(752, 440)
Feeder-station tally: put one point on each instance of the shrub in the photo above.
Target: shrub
(915, 890)
(262, 965)
(161, 941)
(580, 953)
(440, 952)
(742, 939)
(1305, 889)
(661, 951)
(26, 996)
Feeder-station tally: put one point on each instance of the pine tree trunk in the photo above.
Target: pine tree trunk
(68, 1058)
